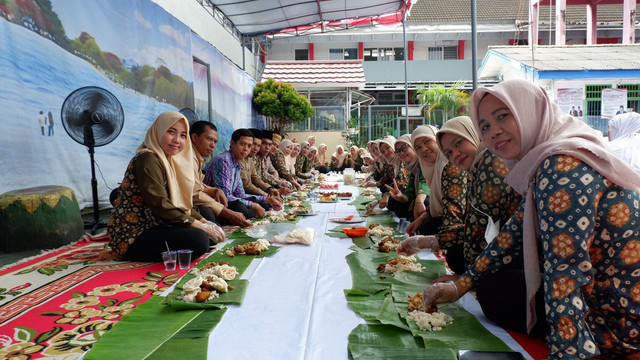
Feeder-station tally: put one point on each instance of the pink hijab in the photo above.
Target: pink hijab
(546, 131)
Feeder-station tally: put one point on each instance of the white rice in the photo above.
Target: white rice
(430, 321)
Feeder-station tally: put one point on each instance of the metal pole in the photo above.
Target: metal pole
(474, 45)
(406, 81)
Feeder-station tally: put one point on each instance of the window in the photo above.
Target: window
(384, 54)
(302, 54)
(343, 54)
(443, 53)
(633, 95)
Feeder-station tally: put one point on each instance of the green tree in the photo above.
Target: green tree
(449, 100)
(281, 102)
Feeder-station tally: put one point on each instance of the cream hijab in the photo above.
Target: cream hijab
(396, 162)
(178, 168)
(287, 159)
(546, 131)
(432, 173)
(463, 127)
(322, 156)
(341, 157)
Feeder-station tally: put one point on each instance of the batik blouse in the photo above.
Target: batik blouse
(455, 183)
(589, 233)
(411, 192)
(488, 195)
(277, 160)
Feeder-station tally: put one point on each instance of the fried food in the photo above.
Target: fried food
(400, 263)
(387, 244)
(250, 248)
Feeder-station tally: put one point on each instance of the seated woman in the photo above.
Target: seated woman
(448, 184)
(338, 159)
(398, 179)
(302, 161)
(281, 161)
(624, 139)
(416, 190)
(356, 160)
(368, 163)
(488, 197)
(576, 230)
(320, 163)
(311, 157)
(153, 208)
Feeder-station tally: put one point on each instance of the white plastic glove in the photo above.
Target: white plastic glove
(439, 293)
(409, 246)
(214, 231)
(371, 205)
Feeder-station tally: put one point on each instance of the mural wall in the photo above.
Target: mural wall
(132, 48)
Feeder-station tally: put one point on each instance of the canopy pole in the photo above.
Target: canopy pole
(406, 81)
(474, 44)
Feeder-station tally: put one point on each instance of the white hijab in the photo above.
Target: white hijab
(546, 131)
(287, 159)
(625, 141)
(432, 173)
(340, 157)
(396, 162)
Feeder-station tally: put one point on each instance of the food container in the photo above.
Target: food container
(349, 176)
(355, 231)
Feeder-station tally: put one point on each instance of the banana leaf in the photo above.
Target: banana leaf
(367, 306)
(234, 296)
(366, 279)
(241, 262)
(383, 336)
(243, 240)
(370, 352)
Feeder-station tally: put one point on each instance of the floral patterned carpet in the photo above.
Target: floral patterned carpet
(57, 305)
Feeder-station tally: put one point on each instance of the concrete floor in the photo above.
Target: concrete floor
(13, 257)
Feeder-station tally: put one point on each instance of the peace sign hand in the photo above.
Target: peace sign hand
(395, 191)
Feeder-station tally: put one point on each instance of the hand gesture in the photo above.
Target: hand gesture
(395, 191)
(439, 293)
(219, 196)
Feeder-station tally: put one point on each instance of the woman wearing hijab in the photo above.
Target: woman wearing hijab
(403, 202)
(311, 157)
(321, 163)
(302, 161)
(153, 208)
(488, 197)
(356, 160)
(396, 176)
(368, 163)
(375, 179)
(338, 159)
(624, 140)
(283, 163)
(311, 140)
(577, 229)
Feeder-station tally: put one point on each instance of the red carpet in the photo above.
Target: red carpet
(60, 303)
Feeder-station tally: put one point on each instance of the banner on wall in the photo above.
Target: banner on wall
(571, 101)
(132, 48)
(614, 101)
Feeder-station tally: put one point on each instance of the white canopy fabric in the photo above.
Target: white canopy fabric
(258, 17)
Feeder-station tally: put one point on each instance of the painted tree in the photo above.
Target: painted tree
(282, 103)
(449, 100)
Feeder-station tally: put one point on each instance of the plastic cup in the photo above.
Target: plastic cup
(184, 259)
(169, 259)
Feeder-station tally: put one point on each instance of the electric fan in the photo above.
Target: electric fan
(92, 116)
(190, 115)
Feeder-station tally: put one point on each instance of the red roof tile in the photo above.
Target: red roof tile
(345, 73)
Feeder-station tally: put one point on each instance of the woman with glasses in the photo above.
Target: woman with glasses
(402, 202)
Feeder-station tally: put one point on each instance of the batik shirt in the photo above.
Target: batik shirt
(262, 173)
(301, 160)
(455, 183)
(488, 195)
(277, 160)
(589, 233)
(223, 172)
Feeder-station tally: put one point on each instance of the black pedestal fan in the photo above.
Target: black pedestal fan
(93, 117)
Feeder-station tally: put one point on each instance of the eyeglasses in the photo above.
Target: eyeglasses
(402, 150)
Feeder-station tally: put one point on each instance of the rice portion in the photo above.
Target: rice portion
(400, 263)
(430, 321)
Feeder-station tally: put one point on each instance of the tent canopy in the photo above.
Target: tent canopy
(259, 17)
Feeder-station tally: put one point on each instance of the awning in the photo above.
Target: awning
(258, 17)
(316, 73)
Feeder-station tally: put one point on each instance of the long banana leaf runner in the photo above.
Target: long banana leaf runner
(382, 298)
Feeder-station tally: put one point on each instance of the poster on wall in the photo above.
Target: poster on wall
(614, 102)
(571, 101)
(49, 48)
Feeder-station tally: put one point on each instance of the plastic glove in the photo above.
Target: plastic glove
(409, 246)
(214, 231)
(371, 205)
(439, 293)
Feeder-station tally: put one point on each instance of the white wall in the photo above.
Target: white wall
(192, 14)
